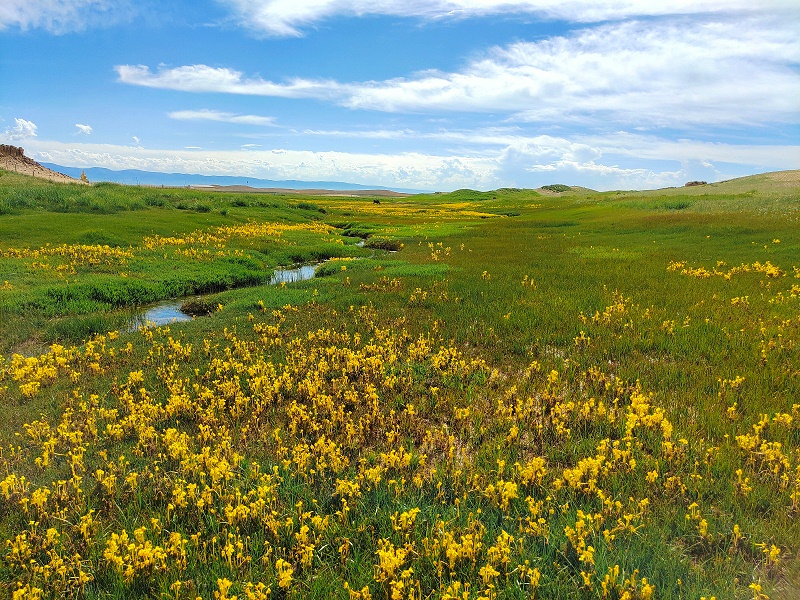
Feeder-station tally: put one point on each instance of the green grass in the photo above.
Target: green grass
(474, 330)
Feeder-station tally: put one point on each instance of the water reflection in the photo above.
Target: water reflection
(290, 275)
(161, 313)
(169, 311)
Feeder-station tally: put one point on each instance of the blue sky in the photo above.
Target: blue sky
(425, 94)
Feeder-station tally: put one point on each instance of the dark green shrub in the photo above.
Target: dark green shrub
(383, 244)
(677, 205)
(557, 187)
(310, 206)
(198, 307)
(327, 270)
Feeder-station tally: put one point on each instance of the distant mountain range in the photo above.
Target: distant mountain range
(136, 177)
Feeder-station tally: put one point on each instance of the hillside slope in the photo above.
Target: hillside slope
(12, 158)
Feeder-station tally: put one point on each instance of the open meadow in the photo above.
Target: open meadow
(481, 395)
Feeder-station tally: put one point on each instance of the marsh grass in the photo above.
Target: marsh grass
(487, 343)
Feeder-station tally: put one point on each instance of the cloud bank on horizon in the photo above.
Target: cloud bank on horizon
(617, 94)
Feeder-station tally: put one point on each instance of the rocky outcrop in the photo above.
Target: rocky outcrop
(12, 158)
(12, 151)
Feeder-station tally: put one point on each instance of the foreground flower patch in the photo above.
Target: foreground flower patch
(360, 461)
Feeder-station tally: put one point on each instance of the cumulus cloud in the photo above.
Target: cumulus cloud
(513, 144)
(672, 74)
(284, 18)
(22, 130)
(84, 129)
(62, 16)
(223, 117)
(491, 158)
(635, 72)
(412, 169)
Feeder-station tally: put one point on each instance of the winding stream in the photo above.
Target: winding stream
(169, 311)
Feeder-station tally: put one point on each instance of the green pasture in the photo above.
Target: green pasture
(690, 294)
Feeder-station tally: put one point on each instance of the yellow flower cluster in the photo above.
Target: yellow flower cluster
(31, 372)
(766, 268)
(66, 259)
(217, 237)
(79, 254)
(273, 453)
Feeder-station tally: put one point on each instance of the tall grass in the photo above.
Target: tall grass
(595, 397)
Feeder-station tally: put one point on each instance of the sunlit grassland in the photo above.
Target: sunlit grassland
(575, 395)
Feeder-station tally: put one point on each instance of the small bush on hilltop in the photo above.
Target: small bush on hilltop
(557, 187)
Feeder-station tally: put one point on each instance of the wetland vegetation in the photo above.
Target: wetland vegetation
(506, 394)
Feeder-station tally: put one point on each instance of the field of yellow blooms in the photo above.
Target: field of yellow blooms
(580, 396)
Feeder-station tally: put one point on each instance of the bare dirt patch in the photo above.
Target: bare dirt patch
(790, 177)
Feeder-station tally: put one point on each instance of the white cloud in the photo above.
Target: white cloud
(490, 158)
(202, 78)
(587, 147)
(224, 117)
(62, 16)
(85, 129)
(677, 73)
(289, 17)
(413, 169)
(22, 130)
(663, 75)
(379, 134)
(647, 147)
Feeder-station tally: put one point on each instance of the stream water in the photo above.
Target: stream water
(169, 311)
